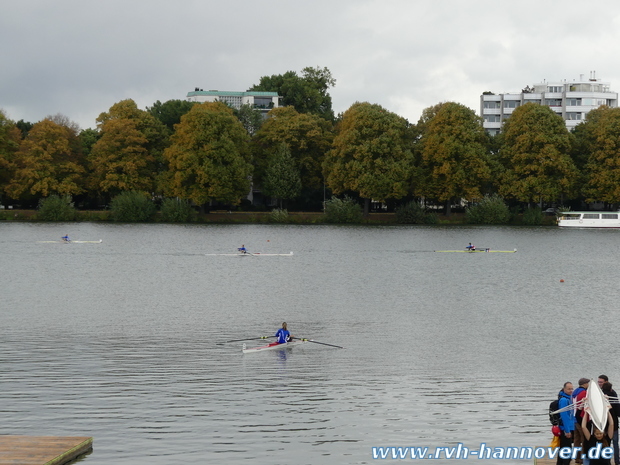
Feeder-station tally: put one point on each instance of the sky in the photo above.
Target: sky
(78, 58)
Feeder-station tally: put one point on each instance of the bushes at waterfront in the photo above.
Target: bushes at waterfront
(56, 208)
(414, 213)
(490, 210)
(131, 207)
(279, 216)
(532, 216)
(344, 210)
(177, 211)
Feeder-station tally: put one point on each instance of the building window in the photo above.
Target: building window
(492, 118)
(573, 102)
(511, 103)
(491, 104)
(553, 102)
(573, 116)
(555, 88)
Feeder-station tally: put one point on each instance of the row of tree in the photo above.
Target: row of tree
(212, 153)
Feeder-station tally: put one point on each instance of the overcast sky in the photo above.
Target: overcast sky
(78, 57)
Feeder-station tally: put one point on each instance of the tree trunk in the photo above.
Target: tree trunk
(448, 207)
(366, 207)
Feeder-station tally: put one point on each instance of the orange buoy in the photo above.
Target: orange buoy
(561, 280)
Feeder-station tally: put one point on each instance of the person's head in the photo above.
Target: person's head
(606, 387)
(583, 382)
(568, 388)
(602, 379)
(598, 434)
(283, 325)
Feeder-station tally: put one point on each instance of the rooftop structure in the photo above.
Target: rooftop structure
(263, 101)
(571, 100)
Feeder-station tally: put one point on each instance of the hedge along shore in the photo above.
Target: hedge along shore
(235, 217)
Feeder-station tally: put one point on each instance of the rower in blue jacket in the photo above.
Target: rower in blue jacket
(242, 249)
(283, 335)
(471, 247)
(66, 238)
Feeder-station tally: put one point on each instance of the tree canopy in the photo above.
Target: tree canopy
(453, 153)
(535, 156)
(371, 154)
(209, 158)
(282, 180)
(308, 93)
(601, 143)
(170, 112)
(45, 163)
(307, 136)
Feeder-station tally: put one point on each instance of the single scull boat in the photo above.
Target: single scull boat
(274, 345)
(248, 254)
(71, 242)
(599, 405)
(477, 250)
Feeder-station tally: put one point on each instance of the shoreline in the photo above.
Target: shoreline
(249, 217)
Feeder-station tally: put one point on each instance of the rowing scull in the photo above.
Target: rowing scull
(477, 250)
(274, 345)
(71, 242)
(248, 254)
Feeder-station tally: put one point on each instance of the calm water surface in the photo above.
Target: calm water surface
(119, 340)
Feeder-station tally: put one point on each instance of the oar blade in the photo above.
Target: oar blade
(322, 343)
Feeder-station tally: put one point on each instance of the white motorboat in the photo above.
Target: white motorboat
(589, 220)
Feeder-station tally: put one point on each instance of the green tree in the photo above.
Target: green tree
(88, 138)
(56, 208)
(169, 113)
(308, 137)
(45, 163)
(209, 157)
(132, 206)
(535, 156)
(453, 154)
(282, 180)
(24, 127)
(371, 154)
(308, 93)
(600, 141)
(251, 118)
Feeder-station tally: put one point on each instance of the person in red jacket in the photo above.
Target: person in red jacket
(579, 394)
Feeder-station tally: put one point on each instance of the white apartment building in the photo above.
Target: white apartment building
(264, 101)
(571, 100)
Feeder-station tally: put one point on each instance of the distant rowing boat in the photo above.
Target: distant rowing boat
(248, 254)
(70, 242)
(274, 345)
(477, 250)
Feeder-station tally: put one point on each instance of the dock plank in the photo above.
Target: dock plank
(42, 450)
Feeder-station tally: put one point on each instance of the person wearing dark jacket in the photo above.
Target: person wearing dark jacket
(567, 425)
(606, 387)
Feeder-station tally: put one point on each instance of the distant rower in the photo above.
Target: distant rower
(66, 238)
(242, 249)
(471, 247)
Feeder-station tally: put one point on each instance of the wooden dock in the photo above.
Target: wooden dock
(42, 450)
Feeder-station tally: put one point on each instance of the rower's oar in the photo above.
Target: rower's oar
(322, 343)
(245, 339)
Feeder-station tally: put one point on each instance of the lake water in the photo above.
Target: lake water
(118, 340)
